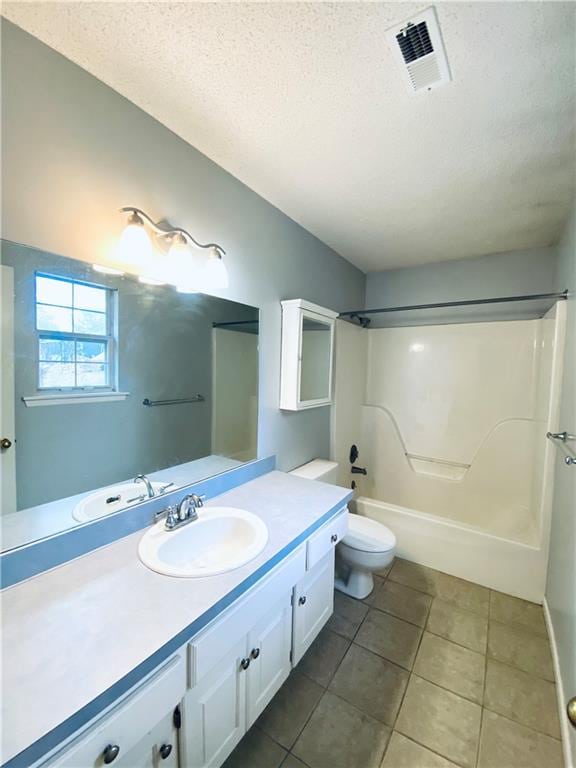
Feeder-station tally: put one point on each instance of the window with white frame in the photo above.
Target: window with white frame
(75, 334)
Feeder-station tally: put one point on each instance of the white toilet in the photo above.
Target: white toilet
(367, 547)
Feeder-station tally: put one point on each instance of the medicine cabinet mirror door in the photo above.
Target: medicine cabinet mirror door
(316, 343)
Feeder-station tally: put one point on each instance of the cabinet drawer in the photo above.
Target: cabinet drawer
(223, 633)
(129, 722)
(325, 539)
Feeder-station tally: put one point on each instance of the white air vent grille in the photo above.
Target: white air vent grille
(417, 46)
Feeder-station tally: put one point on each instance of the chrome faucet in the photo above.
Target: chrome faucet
(147, 483)
(185, 512)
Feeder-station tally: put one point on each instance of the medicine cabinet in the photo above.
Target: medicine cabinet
(307, 355)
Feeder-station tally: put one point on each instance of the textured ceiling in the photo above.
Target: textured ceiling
(304, 103)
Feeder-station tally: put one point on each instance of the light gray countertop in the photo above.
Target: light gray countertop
(73, 632)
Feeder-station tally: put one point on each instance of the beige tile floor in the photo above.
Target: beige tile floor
(429, 671)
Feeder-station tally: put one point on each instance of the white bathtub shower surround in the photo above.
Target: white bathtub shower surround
(451, 422)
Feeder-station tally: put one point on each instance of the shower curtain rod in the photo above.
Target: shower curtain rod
(358, 314)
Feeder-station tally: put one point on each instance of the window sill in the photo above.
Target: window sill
(74, 398)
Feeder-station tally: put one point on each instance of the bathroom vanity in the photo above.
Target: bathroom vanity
(111, 662)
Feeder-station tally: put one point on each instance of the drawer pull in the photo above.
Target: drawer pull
(302, 600)
(110, 753)
(165, 751)
(245, 663)
(255, 653)
(334, 538)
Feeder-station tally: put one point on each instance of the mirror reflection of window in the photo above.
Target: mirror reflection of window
(315, 366)
(74, 326)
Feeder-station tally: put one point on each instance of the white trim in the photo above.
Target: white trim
(564, 725)
(308, 306)
(74, 398)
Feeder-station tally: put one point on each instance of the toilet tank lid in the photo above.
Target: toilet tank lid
(368, 535)
(315, 470)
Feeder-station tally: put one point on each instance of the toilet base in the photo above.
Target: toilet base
(358, 584)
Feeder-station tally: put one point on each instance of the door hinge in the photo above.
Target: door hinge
(291, 656)
(177, 718)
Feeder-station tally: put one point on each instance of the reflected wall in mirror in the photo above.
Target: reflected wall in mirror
(105, 379)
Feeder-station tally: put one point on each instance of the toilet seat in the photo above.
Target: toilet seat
(368, 535)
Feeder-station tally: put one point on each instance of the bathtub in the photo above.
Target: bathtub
(450, 423)
(462, 550)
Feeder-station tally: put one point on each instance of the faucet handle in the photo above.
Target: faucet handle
(172, 517)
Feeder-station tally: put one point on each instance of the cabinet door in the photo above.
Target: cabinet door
(158, 749)
(214, 712)
(313, 605)
(129, 734)
(269, 645)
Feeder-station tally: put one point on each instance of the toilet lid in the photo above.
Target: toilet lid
(368, 535)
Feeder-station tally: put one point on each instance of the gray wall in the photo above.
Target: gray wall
(561, 585)
(75, 152)
(501, 274)
(164, 351)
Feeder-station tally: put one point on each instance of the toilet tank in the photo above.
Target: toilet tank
(318, 469)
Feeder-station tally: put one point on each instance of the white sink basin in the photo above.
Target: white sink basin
(223, 538)
(111, 499)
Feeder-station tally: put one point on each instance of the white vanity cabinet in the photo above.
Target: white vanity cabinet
(307, 355)
(243, 657)
(138, 732)
(237, 664)
(225, 676)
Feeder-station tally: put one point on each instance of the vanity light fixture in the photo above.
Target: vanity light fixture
(216, 272)
(135, 246)
(179, 265)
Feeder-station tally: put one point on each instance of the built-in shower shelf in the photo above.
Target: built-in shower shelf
(439, 468)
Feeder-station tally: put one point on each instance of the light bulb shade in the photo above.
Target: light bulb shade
(184, 267)
(215, 272)
(134, 246)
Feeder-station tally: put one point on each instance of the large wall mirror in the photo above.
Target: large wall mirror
(105, 379)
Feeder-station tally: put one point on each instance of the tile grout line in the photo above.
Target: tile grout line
(482, 710)
(412, 674)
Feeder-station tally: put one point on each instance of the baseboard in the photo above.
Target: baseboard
(564, 725)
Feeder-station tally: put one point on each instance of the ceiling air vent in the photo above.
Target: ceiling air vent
(418, 47)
